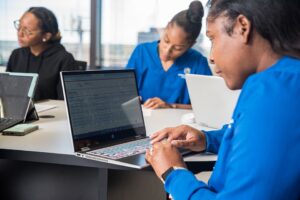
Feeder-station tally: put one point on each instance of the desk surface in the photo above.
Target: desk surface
(54, 136)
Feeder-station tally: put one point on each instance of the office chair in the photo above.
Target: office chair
(80, 65)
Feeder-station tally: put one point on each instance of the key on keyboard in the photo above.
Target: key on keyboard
(123, 150)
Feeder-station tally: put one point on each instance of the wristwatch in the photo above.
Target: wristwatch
(168, 171)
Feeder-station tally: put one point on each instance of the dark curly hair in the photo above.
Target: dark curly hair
(277, 21)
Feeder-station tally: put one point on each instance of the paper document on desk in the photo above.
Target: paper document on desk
(41, 108)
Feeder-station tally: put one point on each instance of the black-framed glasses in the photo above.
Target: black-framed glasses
(25, 31)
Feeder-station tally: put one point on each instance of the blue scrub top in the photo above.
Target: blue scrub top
(170, 86)
(258, 154)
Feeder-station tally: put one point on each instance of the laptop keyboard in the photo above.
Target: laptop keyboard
(123, 150)
(7, 122)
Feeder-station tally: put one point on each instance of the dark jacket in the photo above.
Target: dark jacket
(48, 65)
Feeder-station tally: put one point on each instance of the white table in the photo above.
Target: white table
(54, 135)
(50, 149)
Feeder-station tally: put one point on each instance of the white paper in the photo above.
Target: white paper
(41, 108)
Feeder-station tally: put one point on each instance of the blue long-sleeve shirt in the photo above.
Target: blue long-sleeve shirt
(258, 154)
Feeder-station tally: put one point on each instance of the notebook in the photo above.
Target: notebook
(105, 116)
(16, 93)
(212, 101)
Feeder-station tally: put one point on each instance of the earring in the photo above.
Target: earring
(44, 40)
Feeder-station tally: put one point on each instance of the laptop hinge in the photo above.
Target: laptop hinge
(140, 136)
(85, 149)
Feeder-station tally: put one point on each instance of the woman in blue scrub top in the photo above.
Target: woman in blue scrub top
(256, 47)
(161, 65)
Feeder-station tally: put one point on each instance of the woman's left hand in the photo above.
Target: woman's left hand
(162, 156)
(156, 102)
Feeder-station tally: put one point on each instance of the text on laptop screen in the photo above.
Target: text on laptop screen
(103, 105)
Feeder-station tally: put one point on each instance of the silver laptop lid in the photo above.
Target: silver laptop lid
(103, 107)
(212, 101)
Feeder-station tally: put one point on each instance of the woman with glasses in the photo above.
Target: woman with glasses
(41, 52)
(161, 65)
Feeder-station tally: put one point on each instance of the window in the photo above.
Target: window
(121, 26)
(73, 18)
(125, 23)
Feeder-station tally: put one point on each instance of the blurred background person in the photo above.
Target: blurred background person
(41, 52)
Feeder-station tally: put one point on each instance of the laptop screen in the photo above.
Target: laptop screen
(16, 91)
(103, 106)
(212, 101)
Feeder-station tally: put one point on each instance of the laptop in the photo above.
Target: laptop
(212, 101)
(105, 116)
(16, 93)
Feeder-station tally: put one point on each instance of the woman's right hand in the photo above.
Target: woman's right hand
(182, 136)
(154, 103)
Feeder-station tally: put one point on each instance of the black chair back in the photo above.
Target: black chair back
(80, 65)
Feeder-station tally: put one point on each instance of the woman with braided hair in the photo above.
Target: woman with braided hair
(256, 48)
